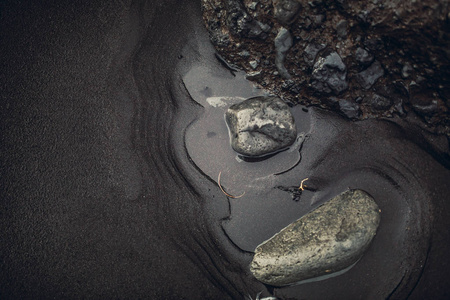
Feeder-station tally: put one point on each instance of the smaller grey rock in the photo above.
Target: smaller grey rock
(378, 102)
(399, 108)
(260, 126)
(314, 3)
(244, 54)
(242, 24)
(368, 77)
(349, 108)
(422, 99)
(257, 30)
(363, 57)
(253, 64)
(318, 19)
(374, 44)
(329, 239)
(427, 110)
(283, 42)
(333, 102)
(253, 75)
(329, 73)
(219, 39)
(291, 85)
(407, 70)
(253, 5)
(341, 29)
(285, 11)
(310, 52)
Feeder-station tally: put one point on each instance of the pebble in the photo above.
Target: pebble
(428, 109)
(253, 75)
(283, 42)
(253, 5)
(368, 77)
(333, 102)
(260, 126)
(349, 108)
(318, 19)
(363, 56)
(242, 24)
(310, 53)
(329, 239)
(286, 11)
(407, 70)
(329, 73)
(422, 99)
(244, 54)
(341, 29)
(253, 64)
(378, 102)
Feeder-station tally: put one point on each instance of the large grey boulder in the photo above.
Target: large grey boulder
(329, 239)
(260, 126)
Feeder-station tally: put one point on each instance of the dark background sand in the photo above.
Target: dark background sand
(100, 200)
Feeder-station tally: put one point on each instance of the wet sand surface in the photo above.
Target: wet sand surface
(112, 140)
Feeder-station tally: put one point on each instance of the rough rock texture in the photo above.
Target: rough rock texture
(329, 239)
(329, 74)
(368, 77)
(260, 126)
(381, 43)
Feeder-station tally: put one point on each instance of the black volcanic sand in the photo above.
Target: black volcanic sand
(104, 193)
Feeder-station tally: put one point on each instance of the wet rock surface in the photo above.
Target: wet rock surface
(260, 126)
(379, 43)
(331, 238)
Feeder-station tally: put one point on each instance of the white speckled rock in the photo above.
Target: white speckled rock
(331, 238)
(260, 126)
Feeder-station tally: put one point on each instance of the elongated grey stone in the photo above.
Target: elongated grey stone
(283, 42)
(331, 238)
(260, 126)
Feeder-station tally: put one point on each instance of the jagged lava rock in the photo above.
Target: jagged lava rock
(329, 73)
(368, 77)
(260, 126)
(329, 239)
